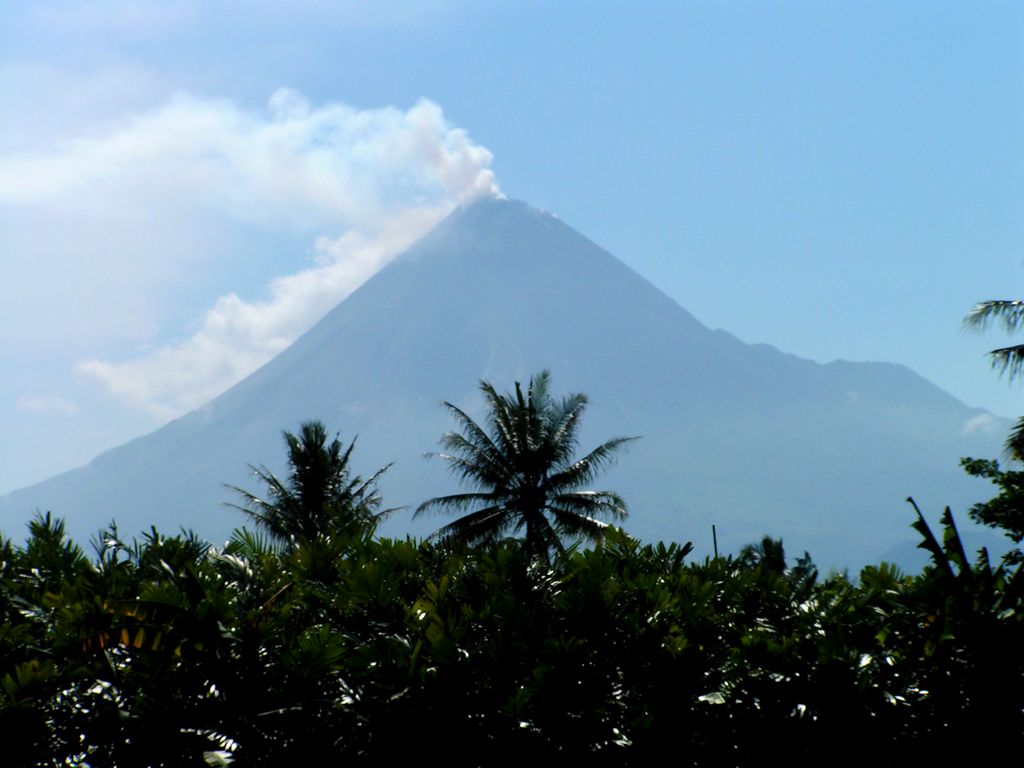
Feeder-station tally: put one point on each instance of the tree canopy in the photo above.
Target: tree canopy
(168, 651)
(1009, 360)
(1006, 510)
(320, 497)
(524, 472)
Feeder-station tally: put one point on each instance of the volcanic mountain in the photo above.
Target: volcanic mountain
(742, 436)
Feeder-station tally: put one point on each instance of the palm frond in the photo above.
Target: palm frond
(476, 475)
(604, 503)
(485, 524)
(1008, 313)
(456, 502)
(1014, 444)
(1008, 360)
(578, 526)
(265, 512)
(534, 414)
(477, 449)
(474, 460)
(585, 470)
(502, 421)
(563, 426)
(250, 545)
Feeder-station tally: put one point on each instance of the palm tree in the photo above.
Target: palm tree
(523, 473)
(1008, 360)
(1009, 314)
(320, 496)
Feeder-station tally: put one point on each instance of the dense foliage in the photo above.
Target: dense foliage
(313, 640)
(1009, 360)
(168, 651)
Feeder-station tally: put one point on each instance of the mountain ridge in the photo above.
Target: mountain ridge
(745, 436)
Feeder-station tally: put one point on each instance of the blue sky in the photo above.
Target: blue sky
(185, 186)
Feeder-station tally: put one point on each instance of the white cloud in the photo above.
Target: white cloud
(985, 423)
(302, 166)
(110, 229)
(236, 336)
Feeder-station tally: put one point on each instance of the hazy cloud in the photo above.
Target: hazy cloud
(137, 206)
(163, 17)
(983, 422)
(297, 165)
(123, 16)
(238, 336)
(46, 404)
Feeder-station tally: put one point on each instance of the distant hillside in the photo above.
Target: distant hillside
(743, 436)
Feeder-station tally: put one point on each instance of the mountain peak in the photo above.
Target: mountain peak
(486, 218)
(496, 206)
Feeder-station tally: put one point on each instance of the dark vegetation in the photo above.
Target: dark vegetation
(524, 472)
(309, 640)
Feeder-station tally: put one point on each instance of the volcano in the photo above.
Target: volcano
(743, 437)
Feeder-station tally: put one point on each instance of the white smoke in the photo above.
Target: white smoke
(237, 336)
(365, 183)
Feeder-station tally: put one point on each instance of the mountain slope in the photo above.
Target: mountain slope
(745, 437)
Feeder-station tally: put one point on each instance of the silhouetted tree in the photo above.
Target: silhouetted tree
(524, 473)
(320, 497)
(1007, 360)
